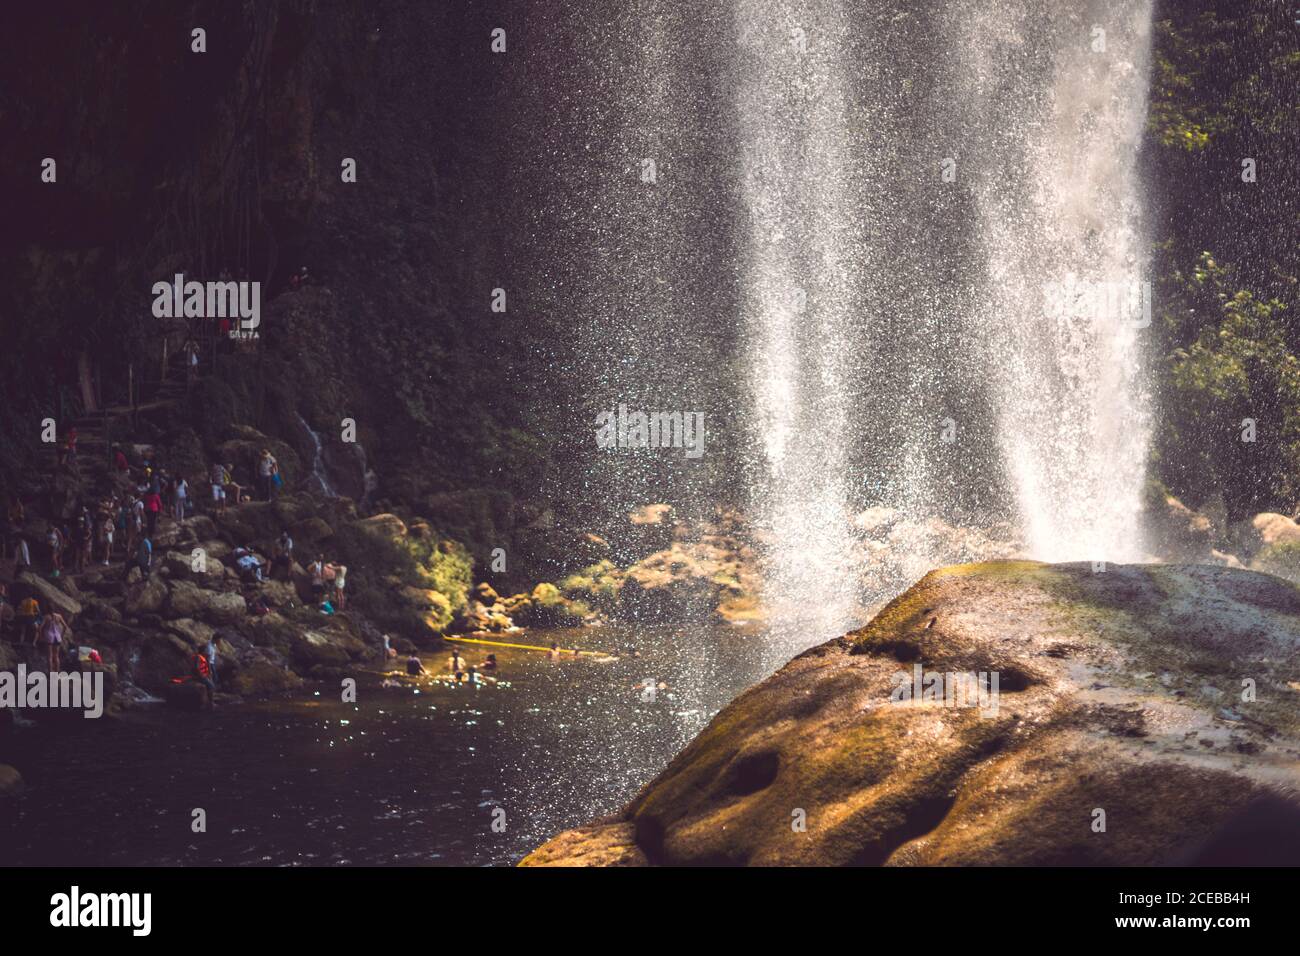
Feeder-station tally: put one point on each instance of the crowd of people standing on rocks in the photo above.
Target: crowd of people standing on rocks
(121, 522)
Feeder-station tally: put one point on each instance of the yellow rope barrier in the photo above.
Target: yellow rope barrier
(524, 647)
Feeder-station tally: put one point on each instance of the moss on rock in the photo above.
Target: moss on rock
(1117, 689)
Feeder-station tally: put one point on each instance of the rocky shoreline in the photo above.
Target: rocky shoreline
(414, 587)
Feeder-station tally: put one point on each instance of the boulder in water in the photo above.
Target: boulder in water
(189, 695)
(11, 781)
(330, 647)
(260, 678)
(1084, 756)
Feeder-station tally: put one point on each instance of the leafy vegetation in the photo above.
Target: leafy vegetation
(1223, 125)
(405, 584)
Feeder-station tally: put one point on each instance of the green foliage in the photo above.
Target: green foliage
(595, 586)
(1213, 68)
(1223, 91)
(546, 593)
(550, 608)
(442, 566)
(479, 517)
(377, 565)
(1239, 365)
(438, 611)
(385, 574)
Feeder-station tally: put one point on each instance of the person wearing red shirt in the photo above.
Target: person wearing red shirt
(152, 508)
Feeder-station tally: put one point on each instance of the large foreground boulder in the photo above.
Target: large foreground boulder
(1141, 713)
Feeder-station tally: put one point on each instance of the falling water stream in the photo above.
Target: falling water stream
(802, 259)
(1066, 296)
(1041, 108)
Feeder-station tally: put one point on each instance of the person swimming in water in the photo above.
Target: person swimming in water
(491, 663)
(455, 663)
(555, 650)
(413, 665)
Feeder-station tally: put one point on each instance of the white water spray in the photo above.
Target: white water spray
(797, 301)
(1046, 108)
(1066, 299)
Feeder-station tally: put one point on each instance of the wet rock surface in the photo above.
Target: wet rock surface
(1124, 731)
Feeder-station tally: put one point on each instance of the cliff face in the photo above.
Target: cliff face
(1140, 711)
(230, 160)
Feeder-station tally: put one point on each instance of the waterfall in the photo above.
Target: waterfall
(893, 252)
(800, 258)
(1056, 126)
(318, 480)
(1040, 112)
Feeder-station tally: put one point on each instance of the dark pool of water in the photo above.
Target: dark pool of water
(398, 777)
